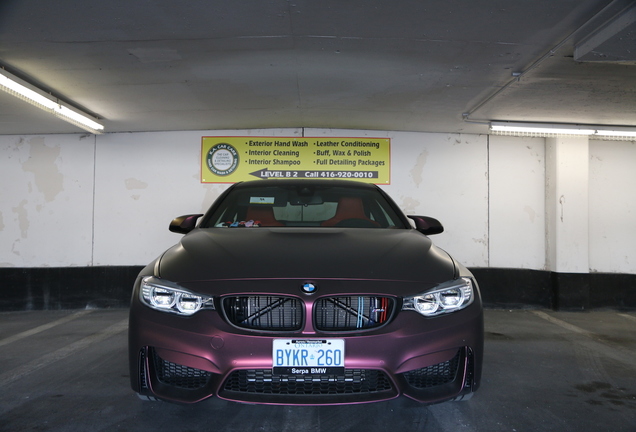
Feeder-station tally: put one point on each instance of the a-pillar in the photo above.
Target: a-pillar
(567, 220)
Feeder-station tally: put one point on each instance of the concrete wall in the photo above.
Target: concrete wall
(612, 199)
(82, 200)
(517, 231)
(46, 200)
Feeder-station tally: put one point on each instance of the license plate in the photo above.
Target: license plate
(308, 356)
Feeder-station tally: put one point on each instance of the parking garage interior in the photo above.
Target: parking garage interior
(543, 217)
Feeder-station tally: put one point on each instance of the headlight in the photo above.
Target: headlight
(448, 297)
(167, 296)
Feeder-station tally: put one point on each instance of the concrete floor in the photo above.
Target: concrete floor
(543, 371)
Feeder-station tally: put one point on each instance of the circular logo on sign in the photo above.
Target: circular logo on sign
(223, 159)
(309, 288)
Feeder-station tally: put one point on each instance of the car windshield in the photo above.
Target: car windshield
(304, 206)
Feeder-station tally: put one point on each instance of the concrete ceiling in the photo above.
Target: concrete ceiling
(411, 65)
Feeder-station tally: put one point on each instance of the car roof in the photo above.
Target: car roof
(301, 182)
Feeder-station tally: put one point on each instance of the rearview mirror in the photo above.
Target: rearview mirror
(427, 225)
(184, 224)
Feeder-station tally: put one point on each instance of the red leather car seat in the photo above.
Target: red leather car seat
(263, 214)
(348, 208)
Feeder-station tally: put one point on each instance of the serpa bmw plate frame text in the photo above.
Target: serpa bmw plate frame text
(308, 356)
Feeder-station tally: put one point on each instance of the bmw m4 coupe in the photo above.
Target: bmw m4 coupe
(305, 292)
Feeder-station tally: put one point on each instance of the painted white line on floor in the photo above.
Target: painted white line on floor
(39, 363)
(43, 327)
(562, 323)
(630, 317)
(595, 342)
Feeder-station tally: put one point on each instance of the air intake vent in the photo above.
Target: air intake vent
(432, 376)
(263, 381)
(178, 375)
(347, 313)
(263, 312)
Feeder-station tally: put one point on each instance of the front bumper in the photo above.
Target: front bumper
(190, 359)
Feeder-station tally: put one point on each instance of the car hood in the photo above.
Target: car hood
(306, 253)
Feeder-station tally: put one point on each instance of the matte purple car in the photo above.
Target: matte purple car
(305, 292)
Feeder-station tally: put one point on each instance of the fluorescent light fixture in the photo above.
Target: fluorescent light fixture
(540, 128)
(28, 93)
(553, 130)
(616, 133)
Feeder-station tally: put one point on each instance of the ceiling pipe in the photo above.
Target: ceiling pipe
(518, 75)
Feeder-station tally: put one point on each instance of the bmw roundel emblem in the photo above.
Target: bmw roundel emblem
(309, 288)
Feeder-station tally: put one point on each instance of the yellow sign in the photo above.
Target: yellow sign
(234, 159)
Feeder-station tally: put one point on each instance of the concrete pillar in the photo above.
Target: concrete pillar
(567, 219)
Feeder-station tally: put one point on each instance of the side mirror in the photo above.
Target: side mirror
(184, 224)
(427, 225)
